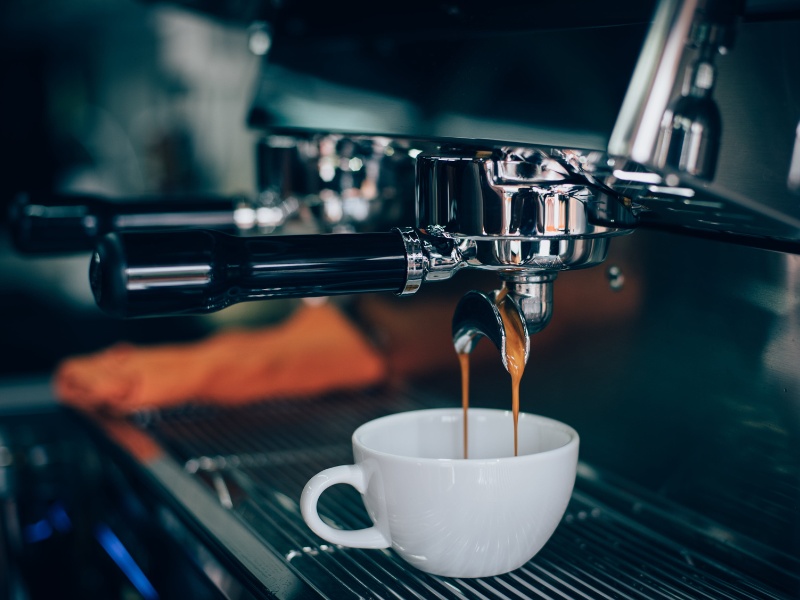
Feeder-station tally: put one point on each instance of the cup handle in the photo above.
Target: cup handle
(353, 475)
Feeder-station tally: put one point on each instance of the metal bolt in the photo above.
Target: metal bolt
(260, 40)
(615, 278)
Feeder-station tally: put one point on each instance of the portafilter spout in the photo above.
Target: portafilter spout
(532, 293)
(477, 315)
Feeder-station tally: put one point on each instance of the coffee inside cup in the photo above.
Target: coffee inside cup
(439, 435)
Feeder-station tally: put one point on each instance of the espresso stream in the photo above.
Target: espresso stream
(515, 359)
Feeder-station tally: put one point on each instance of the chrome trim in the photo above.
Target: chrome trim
(444, 254)
(477, 316)
(431, 256)
(143, 278)
(533, 294)
(638, 126)
(415, 259)
(793, 179)
(206, 509)
(511, 193)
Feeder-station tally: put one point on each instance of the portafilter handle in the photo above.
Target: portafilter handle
(42, 223)
(195, 272)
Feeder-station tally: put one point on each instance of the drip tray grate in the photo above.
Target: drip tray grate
(610, 544)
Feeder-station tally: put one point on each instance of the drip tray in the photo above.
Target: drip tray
(614, 541)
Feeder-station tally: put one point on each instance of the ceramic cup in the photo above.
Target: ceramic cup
(445, 515)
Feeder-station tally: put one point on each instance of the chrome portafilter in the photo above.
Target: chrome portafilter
(524, 214)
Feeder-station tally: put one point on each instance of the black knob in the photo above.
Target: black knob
(199, 271)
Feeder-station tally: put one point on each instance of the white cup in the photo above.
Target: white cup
(445, 515)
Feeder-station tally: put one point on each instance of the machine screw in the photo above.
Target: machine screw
(260, 38)
(616, 280)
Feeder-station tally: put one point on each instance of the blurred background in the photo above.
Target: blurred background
(119, 99)
(123, 98)
(684, 380)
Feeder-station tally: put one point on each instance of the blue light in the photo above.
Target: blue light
(120, 555)
(36, 532)
(58, 518)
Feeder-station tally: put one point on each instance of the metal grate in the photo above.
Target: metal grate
(258, 459)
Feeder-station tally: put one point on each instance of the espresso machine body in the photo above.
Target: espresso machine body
(630, 174)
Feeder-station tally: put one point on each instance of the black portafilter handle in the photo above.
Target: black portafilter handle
(199, 271)
(53, 223)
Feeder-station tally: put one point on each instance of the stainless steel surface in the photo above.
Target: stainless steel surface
(477, 316)
(793, 180)
(430, 256)
(533, 294)
(670, 123)
(617, 111)
(239, 541)
(76, 521)
(651, 88)
(689, 135)
(523, 213)
(514, 193)
(328, 182)
(691, 126)
(616, 540)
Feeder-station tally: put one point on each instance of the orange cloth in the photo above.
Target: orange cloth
(315, 350)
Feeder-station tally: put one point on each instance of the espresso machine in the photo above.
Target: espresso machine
(399, 149)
